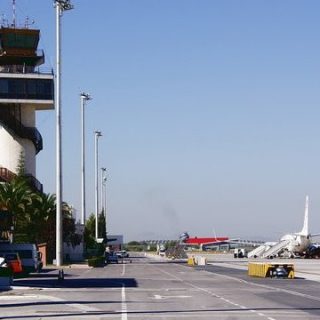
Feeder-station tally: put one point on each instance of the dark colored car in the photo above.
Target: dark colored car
(111, 257)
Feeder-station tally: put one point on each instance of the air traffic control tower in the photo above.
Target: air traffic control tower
(23, 91)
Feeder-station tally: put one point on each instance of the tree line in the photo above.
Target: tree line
(32, 217)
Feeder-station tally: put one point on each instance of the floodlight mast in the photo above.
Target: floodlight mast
(60, 5)
(84, 97)
(64, 5)
(97, 134)
(103, 181)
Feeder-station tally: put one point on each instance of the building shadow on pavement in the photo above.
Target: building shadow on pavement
(76, 283)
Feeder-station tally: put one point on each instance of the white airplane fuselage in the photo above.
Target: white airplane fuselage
(298, 243)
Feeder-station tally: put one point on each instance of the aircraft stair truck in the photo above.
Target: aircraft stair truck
(275, 250)
(257, 252)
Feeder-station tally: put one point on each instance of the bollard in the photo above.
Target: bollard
(61, 275)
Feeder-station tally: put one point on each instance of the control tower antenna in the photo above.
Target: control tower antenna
(14, 13)
(28, 23)
(3, 20)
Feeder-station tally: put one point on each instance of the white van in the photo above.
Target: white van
(240, 253)
(28, 253)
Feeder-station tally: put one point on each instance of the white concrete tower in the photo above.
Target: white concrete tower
(24, 89)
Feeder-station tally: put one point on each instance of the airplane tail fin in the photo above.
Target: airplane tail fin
(305, 229)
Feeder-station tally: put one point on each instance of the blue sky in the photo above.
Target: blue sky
(209, 112)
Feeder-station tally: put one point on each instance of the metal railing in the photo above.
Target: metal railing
(34, 183)
(23, 69)
(7, 176)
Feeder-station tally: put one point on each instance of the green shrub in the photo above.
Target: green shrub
(138, 248)
(96, 262)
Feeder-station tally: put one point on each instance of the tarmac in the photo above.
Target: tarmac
(304, 268)
(308, 269)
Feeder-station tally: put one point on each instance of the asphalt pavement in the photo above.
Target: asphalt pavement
(150, 288)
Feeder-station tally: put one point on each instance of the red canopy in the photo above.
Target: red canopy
(200, 241)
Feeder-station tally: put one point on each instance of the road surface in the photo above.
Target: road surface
(158, 289)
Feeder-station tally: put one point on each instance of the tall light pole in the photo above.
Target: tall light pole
(103, 179)
(61, 5)
(83, 98)
(97, 135)
(105, 199)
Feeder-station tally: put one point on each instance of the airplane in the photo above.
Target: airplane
(290, 245)
(299, 242)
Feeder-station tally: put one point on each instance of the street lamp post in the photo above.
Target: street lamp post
(105, 201)
(105, 197)
(83, 98)
(61, 5)
(97, 135)
(102, 185)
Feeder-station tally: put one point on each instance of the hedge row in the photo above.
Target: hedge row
(96, 262)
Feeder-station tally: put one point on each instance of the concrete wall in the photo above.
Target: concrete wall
(11, 147)
(73, 253)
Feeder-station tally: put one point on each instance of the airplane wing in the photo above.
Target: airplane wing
(235, 242)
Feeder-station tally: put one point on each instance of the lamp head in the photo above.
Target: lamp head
(85, 96)
(64, 4)
(98, 133)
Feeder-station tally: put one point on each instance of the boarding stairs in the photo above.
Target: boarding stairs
(177, 252)
(257, 252)
(276, 249)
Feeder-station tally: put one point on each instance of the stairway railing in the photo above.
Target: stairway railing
(7, 176)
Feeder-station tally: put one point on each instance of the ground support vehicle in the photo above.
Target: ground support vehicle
(12, 261)
(240, 253)
(28, 254)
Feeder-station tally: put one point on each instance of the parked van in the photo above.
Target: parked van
(240, 253)
(28, 253)
(13, 262)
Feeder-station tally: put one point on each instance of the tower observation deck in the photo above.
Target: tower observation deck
(24, 89)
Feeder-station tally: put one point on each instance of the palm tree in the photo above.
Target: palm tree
(34, 214)
(42, 223)
(41, 220)
(16, 198)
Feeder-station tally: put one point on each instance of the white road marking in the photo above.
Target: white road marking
(124, 311)
(295, 293)
(78, 306)
(159, 297)
(215, 295)
(123, 269)
(33, 297)
(24, 297)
